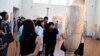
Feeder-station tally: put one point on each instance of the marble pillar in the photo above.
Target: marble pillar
(75, 23)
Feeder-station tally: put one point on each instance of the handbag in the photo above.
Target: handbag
(8, 38)
(63, 48)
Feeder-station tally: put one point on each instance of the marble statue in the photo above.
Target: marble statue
(74, 29)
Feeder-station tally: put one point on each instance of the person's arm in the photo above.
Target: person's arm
(4, 46)
(18, 49)
(1, 32)
(19, 34)
(17, 41)
(38, 44)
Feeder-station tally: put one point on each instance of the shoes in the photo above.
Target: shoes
(97, 38)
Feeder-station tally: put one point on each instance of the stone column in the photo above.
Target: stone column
(74, 29)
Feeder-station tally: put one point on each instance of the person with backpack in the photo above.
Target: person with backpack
(28, 42)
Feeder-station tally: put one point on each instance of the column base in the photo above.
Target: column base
(69, 54)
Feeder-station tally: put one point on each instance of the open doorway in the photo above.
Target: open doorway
(15, 17)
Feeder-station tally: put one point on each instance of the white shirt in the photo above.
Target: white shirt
(39, 31)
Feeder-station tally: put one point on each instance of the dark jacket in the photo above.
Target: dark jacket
(50, 36)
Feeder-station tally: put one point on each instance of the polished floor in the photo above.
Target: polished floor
(91, 48)
(58, 52)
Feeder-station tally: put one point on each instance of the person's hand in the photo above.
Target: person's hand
(1, 32)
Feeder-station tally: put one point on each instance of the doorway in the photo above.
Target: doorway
(15, 18)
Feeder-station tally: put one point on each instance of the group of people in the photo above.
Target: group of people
(33, 37)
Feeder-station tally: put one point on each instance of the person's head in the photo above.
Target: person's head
(51, 25)
(28, 27)
(40, 23)
(4, 15)
(46, 19)
(22, 18)
(34, 20)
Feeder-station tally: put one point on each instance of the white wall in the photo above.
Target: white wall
(17, 3)
(30, 9)
(97, 12)
(7, 5)
(90, 9)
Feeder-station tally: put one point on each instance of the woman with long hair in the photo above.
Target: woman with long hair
(28, 43)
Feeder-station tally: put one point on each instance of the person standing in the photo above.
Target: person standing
(39, 30)
(6, 27)
(45, 22)
(28, 42)
(56, 24)
(2, 44)
(50, 36)
(45, 27)
(20, 21)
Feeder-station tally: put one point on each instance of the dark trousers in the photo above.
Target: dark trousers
(4, 52)
(80, 50)
(49, 49)
(40, 53)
